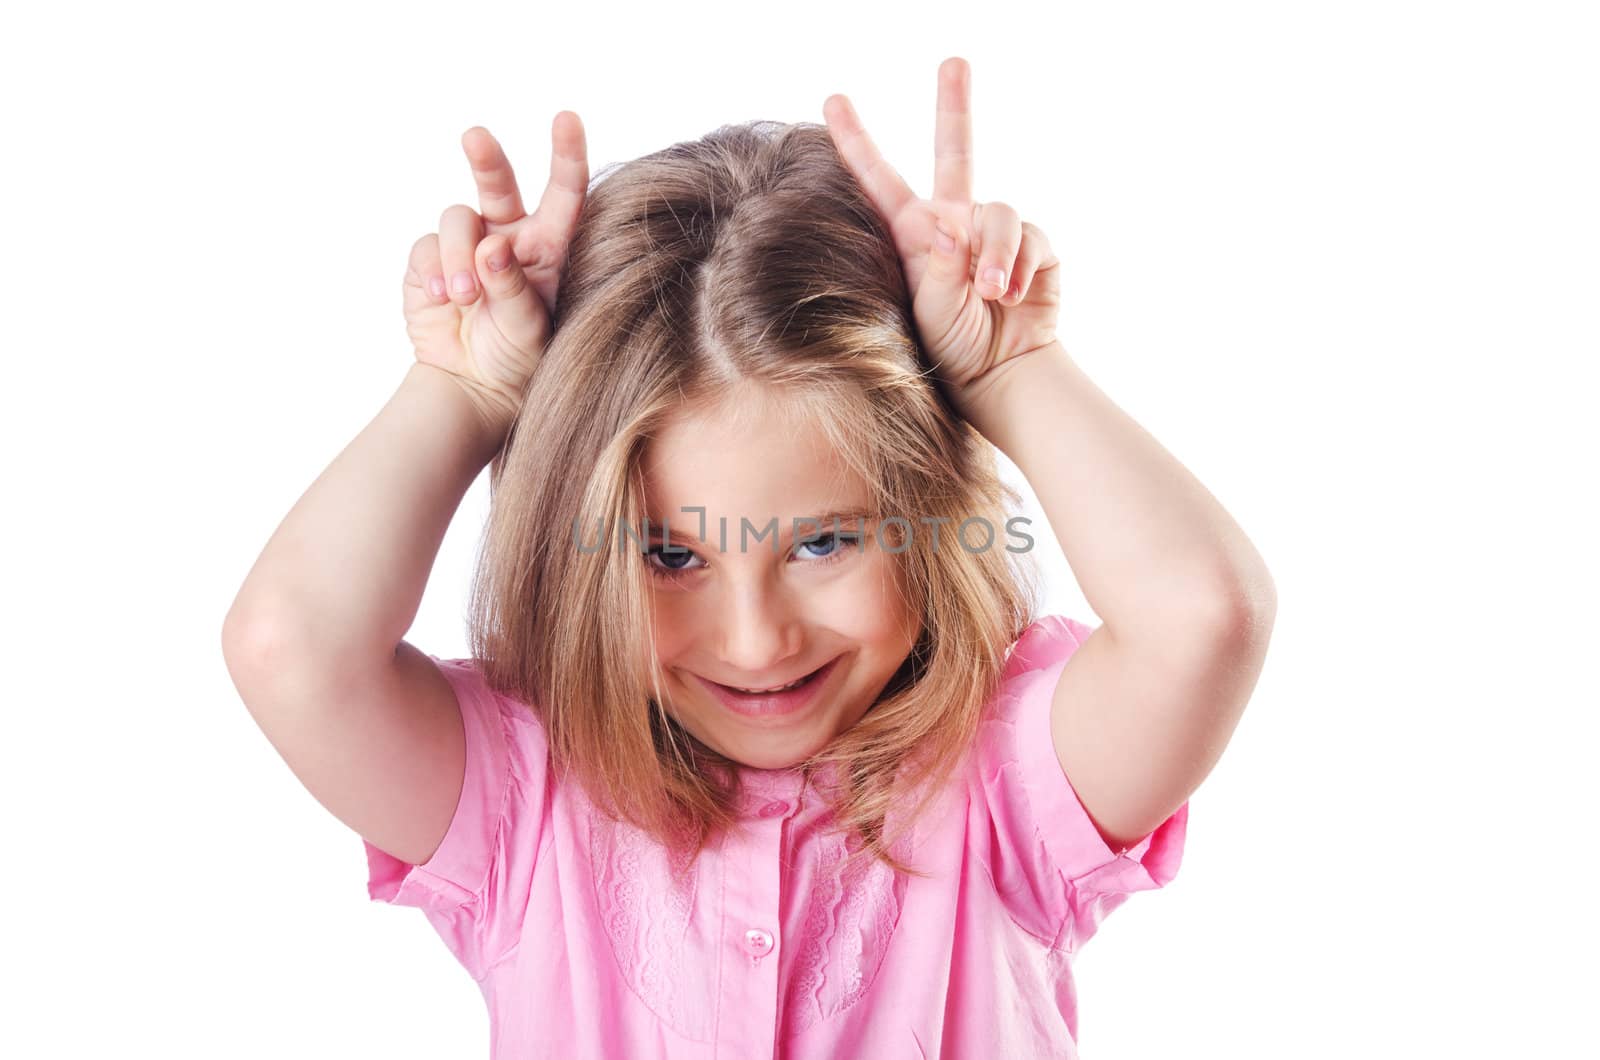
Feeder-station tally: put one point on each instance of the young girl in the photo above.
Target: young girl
(760, 749)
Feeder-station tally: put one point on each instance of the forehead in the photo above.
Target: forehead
(755, 453)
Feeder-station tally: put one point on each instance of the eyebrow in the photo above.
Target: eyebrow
(811, 524)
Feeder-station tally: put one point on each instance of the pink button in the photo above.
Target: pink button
(757, 942)
(775, 808)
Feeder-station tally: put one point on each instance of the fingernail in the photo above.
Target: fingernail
(497, 260)
(436, 286)
(461, 283)
(995, 278)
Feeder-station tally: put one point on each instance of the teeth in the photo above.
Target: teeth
(781, 688)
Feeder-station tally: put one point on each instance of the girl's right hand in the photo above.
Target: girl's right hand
(486, 325)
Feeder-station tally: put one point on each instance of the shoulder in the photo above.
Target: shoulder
(1049, 861)
(474, 693)
(506, 739)
(1035, 657)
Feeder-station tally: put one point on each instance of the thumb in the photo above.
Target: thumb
(513, 304)
(943, 290)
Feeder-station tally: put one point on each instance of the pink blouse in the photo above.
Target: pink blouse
(583, 949)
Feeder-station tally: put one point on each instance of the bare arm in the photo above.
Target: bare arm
(1145, 708)
(348, 565)
(313, 639)
(1151, 547)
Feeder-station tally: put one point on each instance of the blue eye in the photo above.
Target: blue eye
(832, 545)
(669, 561)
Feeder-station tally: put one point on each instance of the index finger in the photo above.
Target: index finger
(499, 201)
(952, 132)
(885, 187)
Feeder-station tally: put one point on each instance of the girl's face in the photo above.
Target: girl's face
(757, 612)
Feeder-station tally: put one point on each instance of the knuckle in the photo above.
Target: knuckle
(538, 256)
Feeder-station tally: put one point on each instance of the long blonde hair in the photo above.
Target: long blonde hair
(751, 255)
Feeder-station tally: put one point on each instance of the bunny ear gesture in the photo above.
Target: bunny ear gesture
(479, 292)
(538, 240)
(967, 326)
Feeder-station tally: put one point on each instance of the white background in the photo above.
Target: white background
(1340, 259)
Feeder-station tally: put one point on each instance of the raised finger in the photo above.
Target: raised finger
(1000, 235)
(425, 271)
(562, 202)
(885, 187)
(952, 132)
(499, 200)
(460, 229)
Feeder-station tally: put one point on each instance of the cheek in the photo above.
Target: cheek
(870, 604)
(669, 625)
(671, 634)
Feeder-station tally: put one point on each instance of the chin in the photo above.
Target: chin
(767, 751)
(769, 761)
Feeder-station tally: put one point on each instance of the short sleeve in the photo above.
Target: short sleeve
(474, 889)
(1054, 871)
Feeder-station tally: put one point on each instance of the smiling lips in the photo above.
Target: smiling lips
(785, 699)
(758, 691)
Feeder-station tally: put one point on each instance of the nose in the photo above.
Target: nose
(761, 632)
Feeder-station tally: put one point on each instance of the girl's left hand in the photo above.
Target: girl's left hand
(967, 328)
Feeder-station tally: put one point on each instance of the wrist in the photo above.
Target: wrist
(486, 417)
(984, 400)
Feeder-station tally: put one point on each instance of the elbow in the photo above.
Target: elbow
(1251, 626)
(242, 635)
(1244, 608)
(253, 645)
